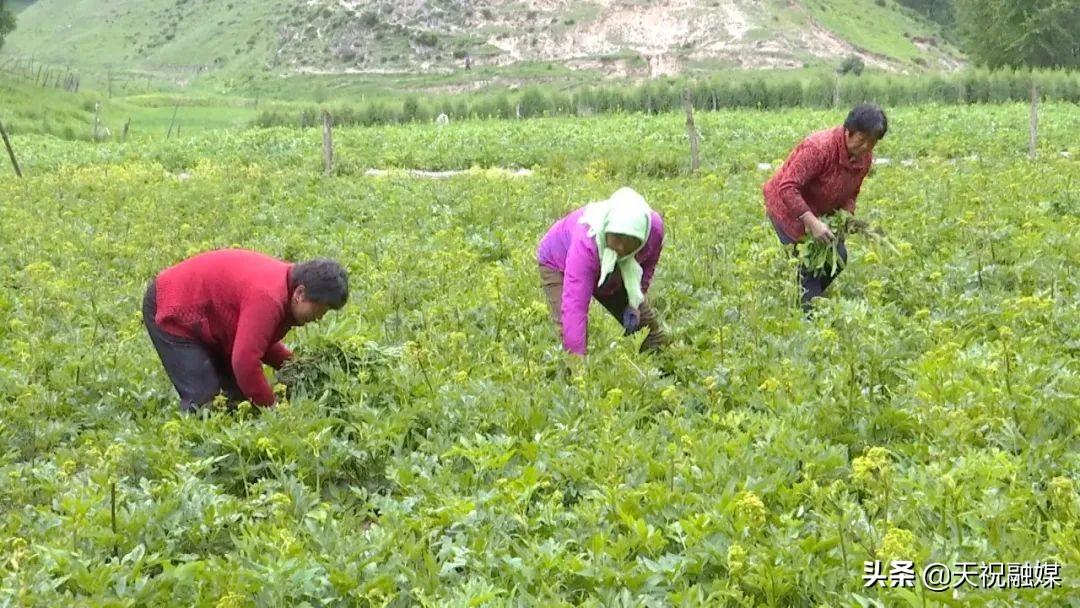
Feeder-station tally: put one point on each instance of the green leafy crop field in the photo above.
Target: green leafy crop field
(432, 452)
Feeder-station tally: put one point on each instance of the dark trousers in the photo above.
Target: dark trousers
(552, 282)
(196, 373)
(813, 284)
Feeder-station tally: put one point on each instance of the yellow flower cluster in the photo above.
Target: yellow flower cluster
(898, 544)
(736, 558)
(751, 508)
(875, 465)
(266, 445)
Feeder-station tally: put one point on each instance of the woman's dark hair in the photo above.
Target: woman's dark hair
(324, 281)
(867, 118)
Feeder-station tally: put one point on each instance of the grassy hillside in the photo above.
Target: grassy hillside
(882, 29)
(176, 36)
(18, 5)
(189, 41)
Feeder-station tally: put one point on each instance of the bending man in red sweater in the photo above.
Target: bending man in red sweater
(216, 318)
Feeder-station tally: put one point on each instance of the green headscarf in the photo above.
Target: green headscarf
(626, 212)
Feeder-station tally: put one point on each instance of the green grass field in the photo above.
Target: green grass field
(432, 451)
(26, 108)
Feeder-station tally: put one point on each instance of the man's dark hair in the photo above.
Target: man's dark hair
(324, 281)
(867, 118)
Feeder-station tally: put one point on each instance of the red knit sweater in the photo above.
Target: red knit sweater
(818, 177)
(236, 303)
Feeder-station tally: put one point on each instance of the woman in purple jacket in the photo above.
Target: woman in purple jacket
(607, 250)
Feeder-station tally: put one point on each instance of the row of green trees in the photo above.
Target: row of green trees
(766, 92)
(7, 22)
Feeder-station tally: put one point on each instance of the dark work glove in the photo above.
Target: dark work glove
(631, 320)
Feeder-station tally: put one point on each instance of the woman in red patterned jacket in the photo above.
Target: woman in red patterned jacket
(821, 175)
(216, 318)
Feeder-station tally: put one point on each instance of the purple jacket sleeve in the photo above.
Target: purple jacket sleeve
(655, 245)
(579, 281)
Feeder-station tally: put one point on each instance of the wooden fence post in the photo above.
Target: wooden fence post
(176, 108)
(10, 151)
(328, 144)
(1033, 130)
(97, 119)
(691, 132)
